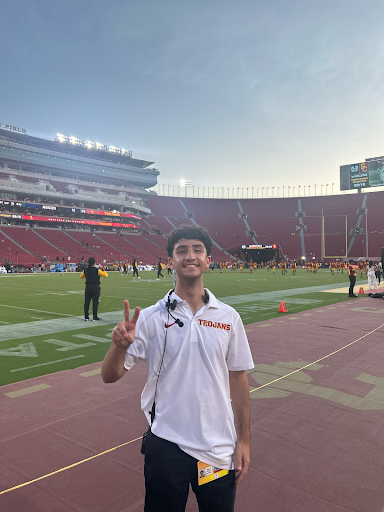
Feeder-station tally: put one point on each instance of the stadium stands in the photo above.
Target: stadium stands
(33, 242)
(14, 253)
(228, 221)
(65, 243)
(96, 245)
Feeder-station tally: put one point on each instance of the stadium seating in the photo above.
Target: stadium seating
(31, 241)
(13, 253)
(64, 242)
(96, 245)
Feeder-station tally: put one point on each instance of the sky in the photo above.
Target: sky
(224, 94)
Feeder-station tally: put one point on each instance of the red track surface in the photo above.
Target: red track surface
(317, 435)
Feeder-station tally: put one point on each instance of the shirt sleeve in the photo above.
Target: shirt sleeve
(102, 273)
(239, 355)
(138, 351)
(82, 275)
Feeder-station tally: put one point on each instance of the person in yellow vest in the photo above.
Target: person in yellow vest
(332, 266)
(338, 266)
(342, 266)
(225, 265)
(352, 279)
(221, 267)
(250, 266)
(293, 267)
(92, 287)
(361, 267)
(241, 266)
(268, 266)
(234, 265)
(315, 266)
(309, 266)
(283, 267)
(273, 266)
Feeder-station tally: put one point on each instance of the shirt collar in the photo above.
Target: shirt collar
(212, 303)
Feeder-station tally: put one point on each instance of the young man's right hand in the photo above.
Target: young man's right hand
(123, 334)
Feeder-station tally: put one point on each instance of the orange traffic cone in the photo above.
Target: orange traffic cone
(361, 290)
(283, 307)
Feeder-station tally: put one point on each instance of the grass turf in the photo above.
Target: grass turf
(40, 297)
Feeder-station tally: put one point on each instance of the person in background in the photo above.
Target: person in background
(352, 279)
(159, 269)
(378, 271)
(371, 276)
(134, 268)
(92, 287)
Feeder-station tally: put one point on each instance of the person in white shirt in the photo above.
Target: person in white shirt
(197, 355)
(372, 277)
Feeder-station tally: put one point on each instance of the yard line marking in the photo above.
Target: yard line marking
(91, 373)
(44, 364)
(5, 322)
(92, 338)
(27, 391)
(38, 310)
(71, 466)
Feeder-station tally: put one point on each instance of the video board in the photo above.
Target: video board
(250, 247)
(362, 175)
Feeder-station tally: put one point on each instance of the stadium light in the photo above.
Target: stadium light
(92, 145)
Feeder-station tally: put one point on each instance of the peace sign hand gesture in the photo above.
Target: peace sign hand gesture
(123, 334)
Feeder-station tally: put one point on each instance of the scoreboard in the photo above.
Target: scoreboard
(258, 252)
(365, 174)
(254, 247)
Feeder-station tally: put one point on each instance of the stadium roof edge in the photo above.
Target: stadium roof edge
(54, 145)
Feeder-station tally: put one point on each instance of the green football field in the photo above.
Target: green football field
(42, 328)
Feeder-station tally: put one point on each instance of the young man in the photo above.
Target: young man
(332, 267)
(198, 354)
(293, 267)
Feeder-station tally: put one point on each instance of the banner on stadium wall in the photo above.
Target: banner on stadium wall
(66, 209)
(86, 222)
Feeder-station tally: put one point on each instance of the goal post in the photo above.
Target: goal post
(340, 238)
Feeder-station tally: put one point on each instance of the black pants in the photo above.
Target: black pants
(91, 292)
(168, 472)
(135, 272)
(169, 270)
(352, 282)
(378, 275)
(159, 274)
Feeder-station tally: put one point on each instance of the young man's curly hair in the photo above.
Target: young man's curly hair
(189, 233)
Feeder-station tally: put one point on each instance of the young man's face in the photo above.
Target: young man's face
(189, 258)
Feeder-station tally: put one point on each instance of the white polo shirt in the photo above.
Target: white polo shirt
(193, 407)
